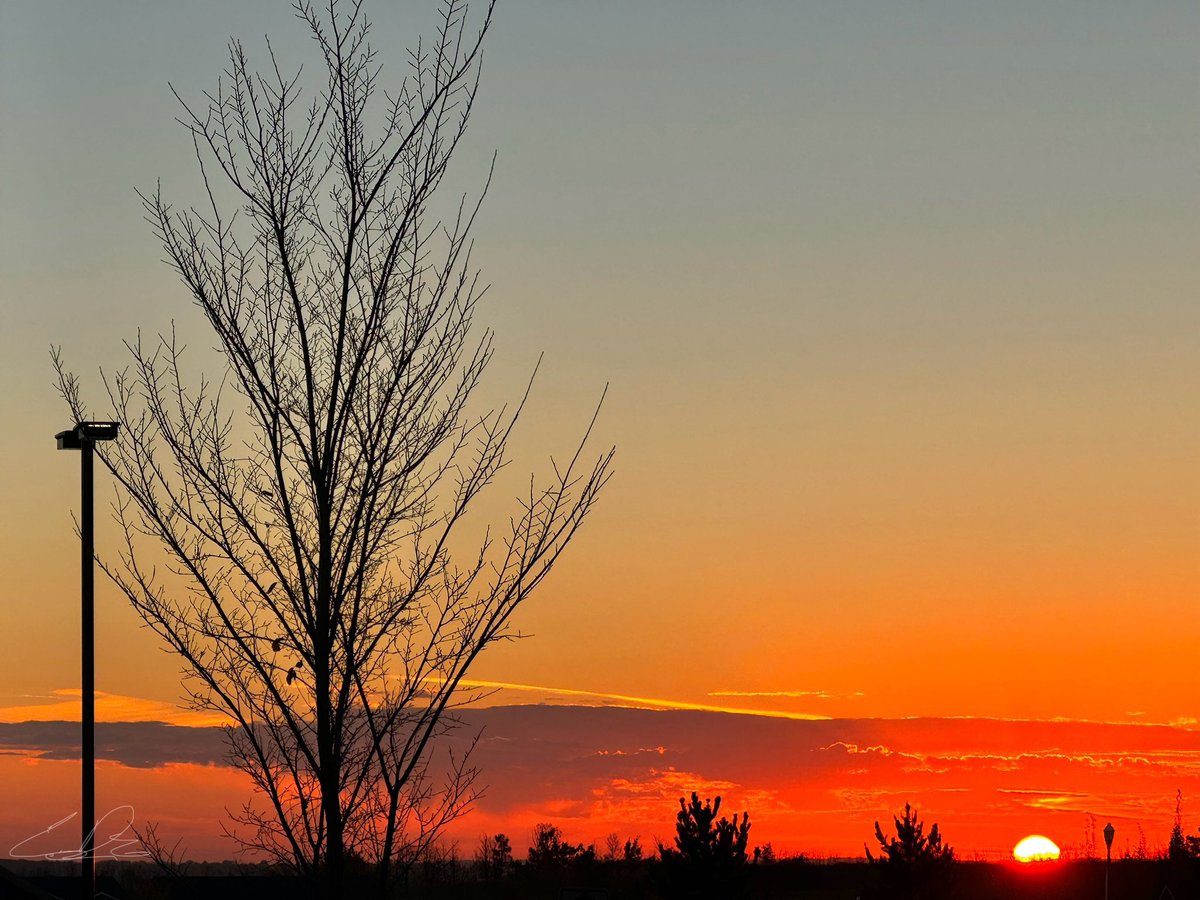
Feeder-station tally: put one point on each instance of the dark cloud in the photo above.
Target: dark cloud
(530, 755)
(540, 756)
(813, 783)
(139, 745)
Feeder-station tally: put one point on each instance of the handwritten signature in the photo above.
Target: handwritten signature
(112, 837)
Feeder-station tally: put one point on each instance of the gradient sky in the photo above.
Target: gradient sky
(896, 302)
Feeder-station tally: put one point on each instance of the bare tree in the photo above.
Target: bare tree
(306, 503)
(172, 860)
(612, 847)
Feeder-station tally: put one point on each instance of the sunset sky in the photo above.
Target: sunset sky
(897, 308)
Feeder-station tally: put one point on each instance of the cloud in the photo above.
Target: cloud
(633, 702)
(854, 749)
(654, 793)
(811, 785)
(820, 695)
(1053, 800)
(135, 744)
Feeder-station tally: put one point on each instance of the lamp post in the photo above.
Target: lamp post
(83, 438)
(1109, 831)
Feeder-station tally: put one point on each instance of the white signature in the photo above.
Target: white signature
(112, 838)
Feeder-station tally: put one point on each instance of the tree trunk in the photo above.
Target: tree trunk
(332, 873)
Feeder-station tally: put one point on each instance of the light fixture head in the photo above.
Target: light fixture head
(73, 438)
(97, 431)
(68, 440)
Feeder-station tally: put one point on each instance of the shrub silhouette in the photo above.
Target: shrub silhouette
(764, 855)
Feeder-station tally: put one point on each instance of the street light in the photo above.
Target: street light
(1109, 831)
(83, 437)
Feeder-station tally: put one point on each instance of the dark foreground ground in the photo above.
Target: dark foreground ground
(784, 880)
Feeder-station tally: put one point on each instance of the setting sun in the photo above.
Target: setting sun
(1035, 848)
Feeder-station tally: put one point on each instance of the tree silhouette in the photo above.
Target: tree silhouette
(910, 846)
(549, 850)
(709, 853)
(1177, 846)
(292, 529)
(495, 856)
(913, 862)
(701, 838)
(633, 850)
(1192, 843)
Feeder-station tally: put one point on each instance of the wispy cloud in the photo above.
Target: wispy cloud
(819, 695)
(638, 702)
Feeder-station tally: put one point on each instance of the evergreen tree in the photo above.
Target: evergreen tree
(1177, 849)
(913, 863)
(709, 855)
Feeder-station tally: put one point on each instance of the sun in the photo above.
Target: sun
(1035, 848)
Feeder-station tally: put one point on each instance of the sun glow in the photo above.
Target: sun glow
(1035, 848)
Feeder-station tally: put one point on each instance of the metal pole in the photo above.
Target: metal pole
(86, 527)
